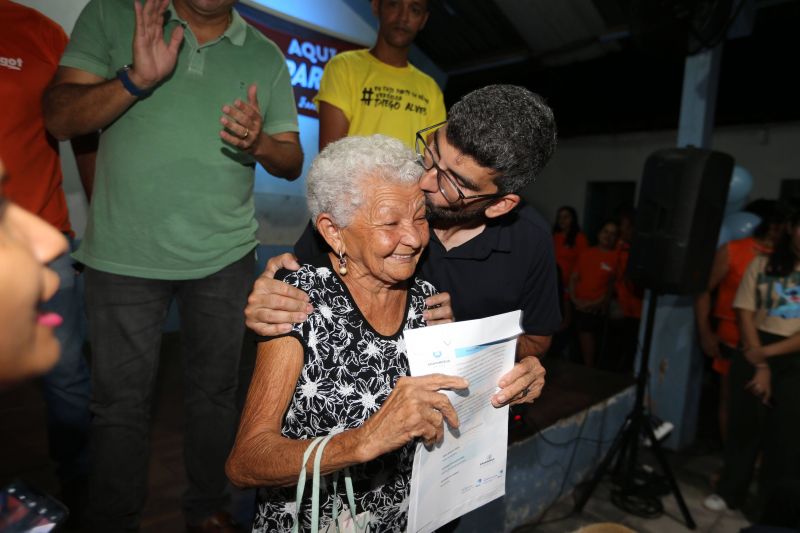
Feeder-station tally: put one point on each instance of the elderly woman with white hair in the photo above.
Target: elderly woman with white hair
(344, 371)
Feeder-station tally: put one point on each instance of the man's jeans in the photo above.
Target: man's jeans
(126, 315)
(67, 387)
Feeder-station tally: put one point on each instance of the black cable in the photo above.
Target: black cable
(566, 471)
(540, 433)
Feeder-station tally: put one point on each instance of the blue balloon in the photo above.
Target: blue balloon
(724, 235)
(741, 224)
(741, 184)
(734, 207)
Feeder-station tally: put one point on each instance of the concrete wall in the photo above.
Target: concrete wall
(65, 12)
(770, 152)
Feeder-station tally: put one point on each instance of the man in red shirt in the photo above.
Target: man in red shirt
(30, 48)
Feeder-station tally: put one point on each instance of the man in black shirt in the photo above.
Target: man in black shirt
(492, 254)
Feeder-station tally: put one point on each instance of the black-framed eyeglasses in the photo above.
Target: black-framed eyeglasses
(448, 185)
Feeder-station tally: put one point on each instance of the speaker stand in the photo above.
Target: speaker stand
(630, 496)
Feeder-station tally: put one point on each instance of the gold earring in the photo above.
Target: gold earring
(342, 264)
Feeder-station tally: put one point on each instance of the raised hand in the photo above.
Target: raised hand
(242, 121)
(153, 59)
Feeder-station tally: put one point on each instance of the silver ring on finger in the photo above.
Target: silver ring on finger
(246, 133)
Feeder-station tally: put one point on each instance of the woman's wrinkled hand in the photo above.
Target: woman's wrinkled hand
(414, 409)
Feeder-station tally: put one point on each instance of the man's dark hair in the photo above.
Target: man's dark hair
(506, 128)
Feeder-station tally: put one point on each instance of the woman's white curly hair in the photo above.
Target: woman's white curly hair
(337, 175)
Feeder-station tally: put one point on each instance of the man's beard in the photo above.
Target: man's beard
(454, 215)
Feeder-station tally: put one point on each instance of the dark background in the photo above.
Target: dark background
(634, 80)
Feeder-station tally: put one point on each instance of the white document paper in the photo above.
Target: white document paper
(468, 469)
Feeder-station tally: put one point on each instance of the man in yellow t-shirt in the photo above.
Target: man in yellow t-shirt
(377, 90)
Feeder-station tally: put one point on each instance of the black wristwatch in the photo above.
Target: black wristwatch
(122, 75)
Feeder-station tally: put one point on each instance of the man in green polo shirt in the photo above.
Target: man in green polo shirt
(188, 97)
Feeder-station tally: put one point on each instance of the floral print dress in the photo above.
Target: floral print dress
(349, 371)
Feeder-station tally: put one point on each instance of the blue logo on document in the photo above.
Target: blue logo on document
(472, 350)
(437, 354)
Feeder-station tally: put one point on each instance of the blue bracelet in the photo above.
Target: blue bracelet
(122, 75)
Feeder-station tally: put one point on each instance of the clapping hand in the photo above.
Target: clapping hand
(242, 121)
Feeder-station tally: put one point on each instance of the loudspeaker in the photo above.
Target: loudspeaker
(681, 204)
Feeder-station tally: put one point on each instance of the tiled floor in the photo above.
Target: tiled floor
(24, 452)
(692, 472)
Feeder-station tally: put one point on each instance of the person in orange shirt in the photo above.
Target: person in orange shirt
(628, 298)
(590, 288)
(30, 48)
(730, 263)
(568, 241)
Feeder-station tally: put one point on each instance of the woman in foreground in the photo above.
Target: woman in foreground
(344, 371)
(28, 346)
